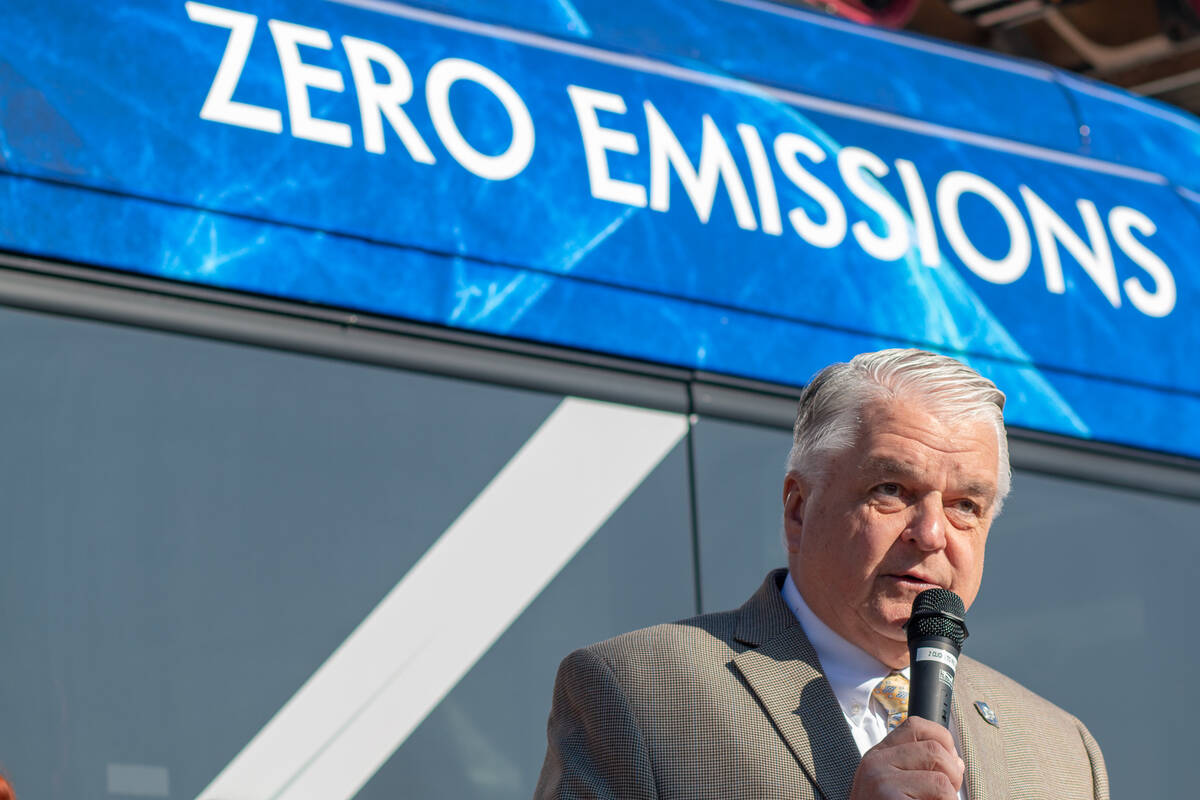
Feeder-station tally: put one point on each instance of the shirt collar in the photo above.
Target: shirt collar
(851, 671)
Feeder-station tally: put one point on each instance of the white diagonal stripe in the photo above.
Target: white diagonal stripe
(361, 704)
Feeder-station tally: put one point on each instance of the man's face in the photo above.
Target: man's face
(907, 508)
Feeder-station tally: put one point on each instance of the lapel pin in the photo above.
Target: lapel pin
(986, 712)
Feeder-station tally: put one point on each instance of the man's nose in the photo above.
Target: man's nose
(927, 525)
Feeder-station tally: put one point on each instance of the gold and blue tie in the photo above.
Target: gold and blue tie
(892, 694)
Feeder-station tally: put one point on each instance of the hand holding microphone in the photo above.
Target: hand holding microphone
(918, 759)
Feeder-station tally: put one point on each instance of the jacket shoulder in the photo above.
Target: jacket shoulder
(686, 644)
(990, 683)
(1043, 744)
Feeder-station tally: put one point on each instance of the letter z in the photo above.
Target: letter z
(220, 106)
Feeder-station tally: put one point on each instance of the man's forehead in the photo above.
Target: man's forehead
(909, 424)
(954, 447)
(904, 435)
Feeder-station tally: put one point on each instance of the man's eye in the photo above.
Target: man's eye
(889, 489)
(967, 506)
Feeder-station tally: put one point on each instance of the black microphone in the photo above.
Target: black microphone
(936, 632)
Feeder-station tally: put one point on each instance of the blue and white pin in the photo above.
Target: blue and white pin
(986, 712)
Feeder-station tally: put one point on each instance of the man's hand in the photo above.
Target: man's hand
(917, 761)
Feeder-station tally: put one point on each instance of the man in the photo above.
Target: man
(898, 467)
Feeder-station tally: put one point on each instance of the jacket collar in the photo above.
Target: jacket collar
(782, 671)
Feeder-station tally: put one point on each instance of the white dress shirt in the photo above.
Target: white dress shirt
(852, 673)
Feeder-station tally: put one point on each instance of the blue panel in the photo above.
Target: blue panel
(703, 230)
(1138, 131)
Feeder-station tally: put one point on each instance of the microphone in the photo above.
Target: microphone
(936, 631)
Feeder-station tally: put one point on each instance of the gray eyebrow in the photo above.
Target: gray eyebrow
(985, 491)
(879, 465)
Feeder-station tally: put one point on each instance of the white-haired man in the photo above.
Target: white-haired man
(898, 467)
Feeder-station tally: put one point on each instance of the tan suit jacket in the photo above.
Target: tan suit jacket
(735, 705)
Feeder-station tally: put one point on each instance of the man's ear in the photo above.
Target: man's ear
(795, 493)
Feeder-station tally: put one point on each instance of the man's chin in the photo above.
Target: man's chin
(891, 619)
(889, 643)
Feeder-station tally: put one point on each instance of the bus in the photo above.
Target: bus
(366, 357)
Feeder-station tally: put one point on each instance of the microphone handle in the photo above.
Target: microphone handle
(933, 662)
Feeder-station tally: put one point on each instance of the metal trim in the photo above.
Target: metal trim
(127, 299)
(340, 335)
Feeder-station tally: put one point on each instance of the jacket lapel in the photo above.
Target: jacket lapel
(782, 671)
(972, 778)
(982, 743)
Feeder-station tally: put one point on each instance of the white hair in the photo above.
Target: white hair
(830, 408)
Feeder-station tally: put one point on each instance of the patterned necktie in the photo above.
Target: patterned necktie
(892, 694)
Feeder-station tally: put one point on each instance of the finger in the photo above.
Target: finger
(926, 786)
(917, 757)
(917, 729)
(878, 781)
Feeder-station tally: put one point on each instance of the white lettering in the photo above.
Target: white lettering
(1051, 229)
(508, 164)
(220, 106)
(951, 188)
(832, 232)
(922, 216)
(598, 140)
(1160, 302)
(851, 162)
(764, 181)
(379, 100)
(298, 76)
(716, 162)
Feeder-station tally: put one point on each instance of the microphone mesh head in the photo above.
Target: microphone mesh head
(938, 612)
